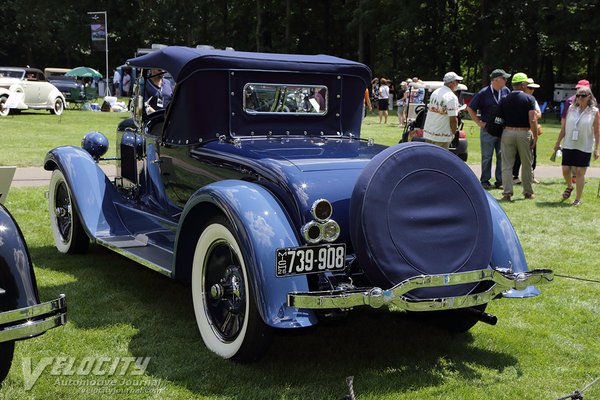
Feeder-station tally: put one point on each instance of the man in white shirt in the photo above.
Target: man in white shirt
(442, 112)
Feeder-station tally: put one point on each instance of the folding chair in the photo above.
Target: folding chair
(77, 99)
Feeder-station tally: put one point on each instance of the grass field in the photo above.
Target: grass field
(542, 348)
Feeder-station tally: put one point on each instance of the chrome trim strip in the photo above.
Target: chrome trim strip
(34, 320)
(48, 307)
(377, 297)
(32, 328)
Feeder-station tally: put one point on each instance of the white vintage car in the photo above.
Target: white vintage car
(27, 88)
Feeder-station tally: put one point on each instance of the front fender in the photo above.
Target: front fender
(93, 193)
(507, 251)
(17, 278)
(262, 226)
(18, 89)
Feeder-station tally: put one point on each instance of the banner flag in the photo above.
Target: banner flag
(98, 27)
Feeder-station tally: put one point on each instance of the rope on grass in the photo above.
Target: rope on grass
(578, 394)
(577, 278)
(350, 384)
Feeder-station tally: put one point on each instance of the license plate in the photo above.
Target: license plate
(310, 259)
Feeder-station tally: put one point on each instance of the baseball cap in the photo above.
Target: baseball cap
(499, 72)
(532, 84)
(582, 83)
(519, 77)
(451, 77)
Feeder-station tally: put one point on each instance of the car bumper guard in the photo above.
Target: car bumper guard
(377, 297)
(31, 321)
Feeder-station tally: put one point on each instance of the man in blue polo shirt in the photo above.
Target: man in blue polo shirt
(519, 136)
(480, 109)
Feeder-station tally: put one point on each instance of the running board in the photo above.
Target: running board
(140, 250)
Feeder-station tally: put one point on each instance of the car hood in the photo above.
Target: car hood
(7, 82)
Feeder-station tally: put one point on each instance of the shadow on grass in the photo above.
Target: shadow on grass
(554, 204)
(383, 351)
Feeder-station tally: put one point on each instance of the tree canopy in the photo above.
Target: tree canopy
(550, 41)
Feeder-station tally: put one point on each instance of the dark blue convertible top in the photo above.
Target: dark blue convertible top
(208, 100)
(181, 61)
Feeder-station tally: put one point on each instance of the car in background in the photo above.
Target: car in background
(276, 212)
(417, 112)
(27, 88)
(66, 84)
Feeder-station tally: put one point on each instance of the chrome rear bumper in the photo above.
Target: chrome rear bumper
(377, 297)
(27, 322)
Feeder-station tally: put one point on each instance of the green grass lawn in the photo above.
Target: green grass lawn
(389, 134)
(27, 136)
(542, 348)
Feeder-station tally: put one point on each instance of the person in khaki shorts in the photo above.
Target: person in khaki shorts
(519, 136)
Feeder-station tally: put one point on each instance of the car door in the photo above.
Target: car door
(30, 89)
(44, 89)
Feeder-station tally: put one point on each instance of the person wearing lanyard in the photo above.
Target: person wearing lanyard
(580, 134)
(480, 109)
(519, 136)
(157, 92)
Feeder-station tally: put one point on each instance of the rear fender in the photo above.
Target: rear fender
(53, 95)
(262, 226)
(507, 251)
(93, 193)
(17, 278)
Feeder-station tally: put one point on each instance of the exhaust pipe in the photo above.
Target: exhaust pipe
(484, 317)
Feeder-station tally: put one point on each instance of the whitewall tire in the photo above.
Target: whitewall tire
(224, 305)
(67, 230)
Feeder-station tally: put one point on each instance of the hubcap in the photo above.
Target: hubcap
(224, 292)
(63, 211)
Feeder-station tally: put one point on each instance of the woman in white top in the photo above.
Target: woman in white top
(384, 98)
(580, 134)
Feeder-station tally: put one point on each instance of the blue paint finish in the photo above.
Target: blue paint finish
(305, 169)
(16, 270)
(262, 226)
(507, 251)
(93, 193)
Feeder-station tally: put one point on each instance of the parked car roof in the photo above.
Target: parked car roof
(182, 61)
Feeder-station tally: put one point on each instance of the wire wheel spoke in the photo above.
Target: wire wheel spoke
(224, 288)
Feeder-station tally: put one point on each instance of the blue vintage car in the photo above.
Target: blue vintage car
(22, 314)
(255, 186)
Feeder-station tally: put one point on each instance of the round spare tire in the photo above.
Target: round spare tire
(417, 209)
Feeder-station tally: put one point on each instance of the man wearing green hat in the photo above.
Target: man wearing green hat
(519, 136)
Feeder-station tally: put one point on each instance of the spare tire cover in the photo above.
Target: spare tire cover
(417, 209)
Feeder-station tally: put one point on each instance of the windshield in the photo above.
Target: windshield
(11, 73)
